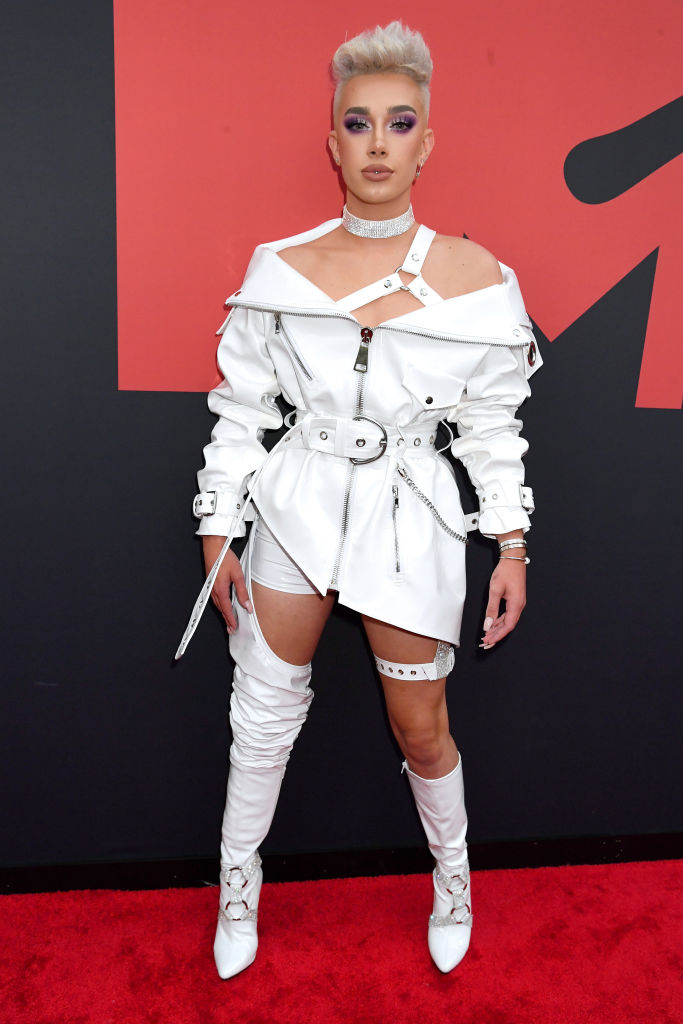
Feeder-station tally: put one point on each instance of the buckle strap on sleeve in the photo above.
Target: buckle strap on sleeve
(209, 503)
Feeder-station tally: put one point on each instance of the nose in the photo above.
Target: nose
(377, 143)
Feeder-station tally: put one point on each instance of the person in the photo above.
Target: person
(374, 329)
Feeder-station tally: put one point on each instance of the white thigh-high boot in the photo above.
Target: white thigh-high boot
(269, 702)
(441, 806)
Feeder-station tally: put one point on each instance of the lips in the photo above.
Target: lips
(377, 172)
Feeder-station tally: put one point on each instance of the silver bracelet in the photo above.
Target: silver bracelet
(514, 558)
(519, 542)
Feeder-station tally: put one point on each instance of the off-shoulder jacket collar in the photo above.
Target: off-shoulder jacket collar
(493, 313)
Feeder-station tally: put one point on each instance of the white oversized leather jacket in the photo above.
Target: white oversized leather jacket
(356, 492)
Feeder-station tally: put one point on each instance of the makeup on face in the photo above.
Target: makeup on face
(400, 119)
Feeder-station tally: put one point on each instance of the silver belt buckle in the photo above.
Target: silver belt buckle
(383, 441)
(198, 502)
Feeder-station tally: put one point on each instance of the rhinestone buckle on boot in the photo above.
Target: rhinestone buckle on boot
(235, 891)
(461, 913)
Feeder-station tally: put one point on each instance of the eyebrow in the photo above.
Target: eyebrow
(365, 111)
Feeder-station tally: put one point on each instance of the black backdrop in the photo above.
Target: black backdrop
(108, 752)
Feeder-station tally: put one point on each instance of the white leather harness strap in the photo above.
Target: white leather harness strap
(412, 265)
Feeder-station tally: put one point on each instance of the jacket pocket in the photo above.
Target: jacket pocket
(433, 392)
(289, 343)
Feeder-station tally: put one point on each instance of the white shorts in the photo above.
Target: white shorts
(272, 566)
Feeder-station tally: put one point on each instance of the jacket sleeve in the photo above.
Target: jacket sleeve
(245, 404)
(489, 443)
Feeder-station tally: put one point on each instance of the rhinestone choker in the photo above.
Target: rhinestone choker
(378, 228)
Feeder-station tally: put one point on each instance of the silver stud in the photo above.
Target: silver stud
(516, 333)
(429, 400)
(417, 442)
(360, 442)
(415, 256)
(387, 283)
(413, 672)
(323, 435)
(423, 291)
(431, 439)
(390, 669)
(239, 506)
(494, 496)
(400, 671)
(400, 441)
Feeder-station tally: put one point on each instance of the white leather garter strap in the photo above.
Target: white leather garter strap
(444, 659)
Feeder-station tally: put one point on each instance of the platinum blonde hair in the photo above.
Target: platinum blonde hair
(394, 49)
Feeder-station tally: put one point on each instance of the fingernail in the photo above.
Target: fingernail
(249, 606)
(486, 647)
(488, 622)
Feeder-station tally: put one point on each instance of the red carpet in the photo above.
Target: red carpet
(598, 943)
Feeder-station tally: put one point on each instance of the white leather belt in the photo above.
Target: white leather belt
(361, 439)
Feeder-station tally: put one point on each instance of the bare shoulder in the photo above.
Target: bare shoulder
(306, 256)
(462, 265)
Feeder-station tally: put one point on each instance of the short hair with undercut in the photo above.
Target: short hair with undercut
(393, 49)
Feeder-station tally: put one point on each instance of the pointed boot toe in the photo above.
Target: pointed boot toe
(234, 947)
(448, 945)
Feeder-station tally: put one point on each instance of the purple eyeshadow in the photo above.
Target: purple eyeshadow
(352, 122)
(409, 119)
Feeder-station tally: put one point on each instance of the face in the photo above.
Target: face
(380, 137)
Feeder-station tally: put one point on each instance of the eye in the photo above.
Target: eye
(356, 124)
(402, 124)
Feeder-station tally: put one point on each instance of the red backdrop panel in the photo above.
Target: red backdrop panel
(222, 112)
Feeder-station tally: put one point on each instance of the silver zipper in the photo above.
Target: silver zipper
(281, 329)
(432, 508)
(394, 516)
(361, 364)
(344, 523)
(360, 400)
(438, 335)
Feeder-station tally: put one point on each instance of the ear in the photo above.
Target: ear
(427, 144)
(333, 143)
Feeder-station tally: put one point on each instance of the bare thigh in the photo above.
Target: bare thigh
(417, 710)
(291, 623)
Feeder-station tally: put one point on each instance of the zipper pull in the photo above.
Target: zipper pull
(394, 490)
(277, 323)
(361, 364)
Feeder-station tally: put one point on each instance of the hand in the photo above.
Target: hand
(230, 573)
(508, 583)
